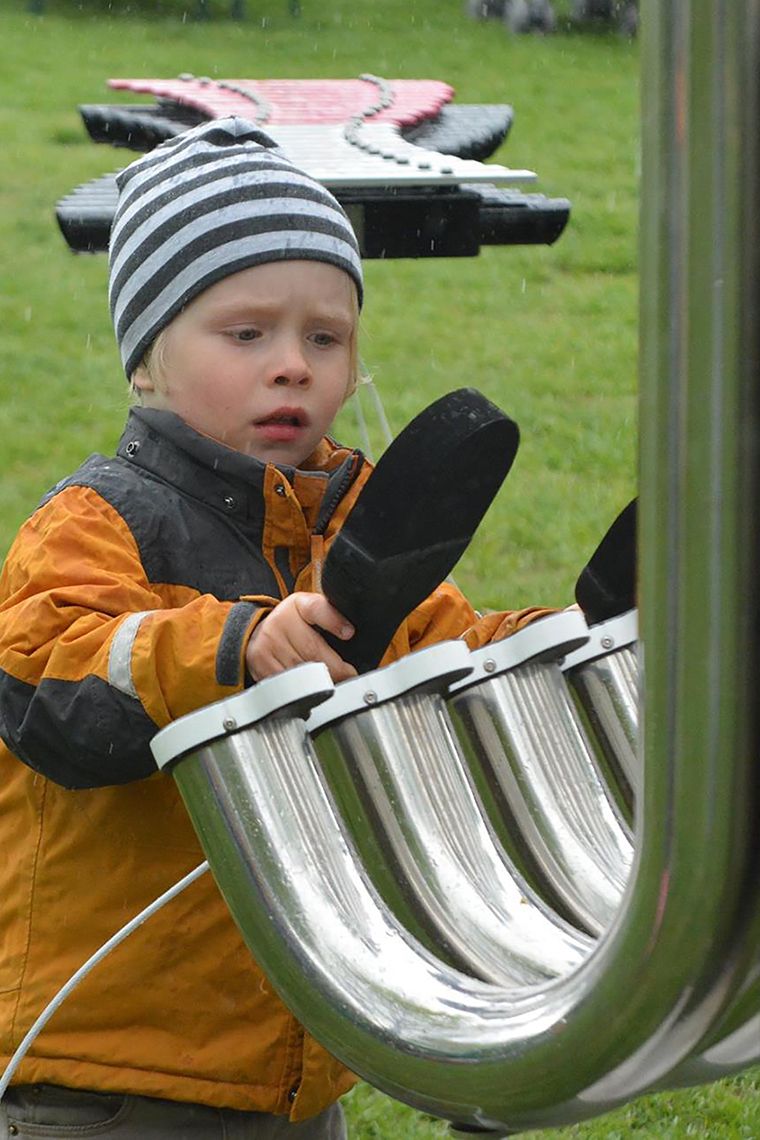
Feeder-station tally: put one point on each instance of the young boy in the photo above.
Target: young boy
(152, 583)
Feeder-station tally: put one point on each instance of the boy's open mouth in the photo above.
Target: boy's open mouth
(284, 425)
(288, 417)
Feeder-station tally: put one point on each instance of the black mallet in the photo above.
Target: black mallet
(415, 517)
(606, 586)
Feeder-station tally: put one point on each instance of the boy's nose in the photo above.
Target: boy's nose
(284, 379)
(291, 367)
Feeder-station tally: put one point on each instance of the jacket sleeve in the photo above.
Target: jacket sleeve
(446, 613)
(93, 657)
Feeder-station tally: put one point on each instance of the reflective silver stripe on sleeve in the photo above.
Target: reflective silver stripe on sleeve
(120, 657)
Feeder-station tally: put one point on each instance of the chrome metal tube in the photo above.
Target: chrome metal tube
(422, 832)
(683, 944)
(466, 1049)
(604, 677)
(700, 422)
(526, 738)
(732, 1042)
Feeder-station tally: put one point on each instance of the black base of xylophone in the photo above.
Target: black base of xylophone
(450, 222)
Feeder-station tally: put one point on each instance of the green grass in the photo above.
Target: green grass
(547, 333)
(725, 1111)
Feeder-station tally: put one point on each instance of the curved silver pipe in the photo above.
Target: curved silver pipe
(388, 748)
(393, 1011)
(700, 359)
(604, 677)
(550, 803)
(738, 1051)
(684, 940)
(732, 1042)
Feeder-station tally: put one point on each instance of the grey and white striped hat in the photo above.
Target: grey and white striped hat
(210, 202)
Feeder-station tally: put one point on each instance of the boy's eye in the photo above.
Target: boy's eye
(323, 339)
(246, 334)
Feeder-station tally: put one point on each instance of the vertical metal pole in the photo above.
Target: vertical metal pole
(700, 373)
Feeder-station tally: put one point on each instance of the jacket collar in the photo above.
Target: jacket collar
(162, 444)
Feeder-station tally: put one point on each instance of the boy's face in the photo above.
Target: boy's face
(261, 361)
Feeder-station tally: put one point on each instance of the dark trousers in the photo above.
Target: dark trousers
(46, 1112)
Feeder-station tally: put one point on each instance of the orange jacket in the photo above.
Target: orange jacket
(126, 601)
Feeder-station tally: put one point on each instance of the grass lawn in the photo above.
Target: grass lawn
(547, 333)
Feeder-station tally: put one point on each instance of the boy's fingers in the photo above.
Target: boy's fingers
(342, 671)
(338, 669)
(292, 634)
(316, 649)
(313, 647)
(317, 611)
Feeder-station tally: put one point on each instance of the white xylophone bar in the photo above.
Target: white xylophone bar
(384, 158)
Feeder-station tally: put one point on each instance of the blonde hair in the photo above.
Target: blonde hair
(153, 363)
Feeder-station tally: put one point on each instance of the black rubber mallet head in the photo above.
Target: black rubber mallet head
(606, 586)
(415, 517)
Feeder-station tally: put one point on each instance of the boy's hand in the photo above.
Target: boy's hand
(287, 637)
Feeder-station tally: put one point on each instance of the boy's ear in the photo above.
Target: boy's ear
(141, 380)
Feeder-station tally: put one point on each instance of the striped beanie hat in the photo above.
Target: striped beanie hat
(212, 201)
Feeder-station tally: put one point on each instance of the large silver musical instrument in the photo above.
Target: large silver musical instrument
(496, 885)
